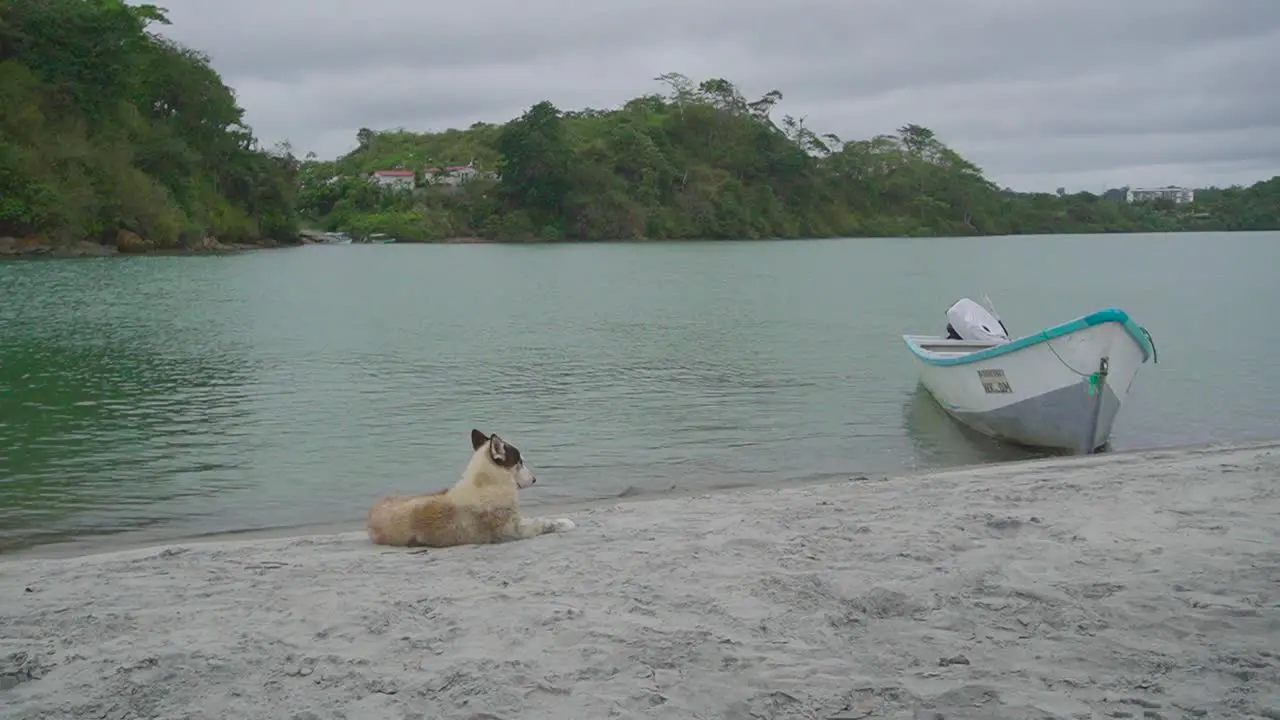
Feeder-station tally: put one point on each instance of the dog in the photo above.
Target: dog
(481, 508)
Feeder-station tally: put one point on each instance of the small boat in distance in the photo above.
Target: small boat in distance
(312, 237)
(1060, 387)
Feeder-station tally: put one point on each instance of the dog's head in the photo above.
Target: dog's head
(504, 455)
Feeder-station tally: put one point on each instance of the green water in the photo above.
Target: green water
(160, 397)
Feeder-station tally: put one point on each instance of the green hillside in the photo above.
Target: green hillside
(702, 161)
(111, 133)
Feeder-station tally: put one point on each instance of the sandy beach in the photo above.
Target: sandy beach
(1139, 585)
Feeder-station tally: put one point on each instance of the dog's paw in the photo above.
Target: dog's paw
(562, 525)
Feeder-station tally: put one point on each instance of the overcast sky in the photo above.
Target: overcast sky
(1086, 94)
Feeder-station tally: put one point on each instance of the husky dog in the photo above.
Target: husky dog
(480, 508)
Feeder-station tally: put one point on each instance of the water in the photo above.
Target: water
(159, 397)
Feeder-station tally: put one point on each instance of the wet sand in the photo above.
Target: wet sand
(1142, 585)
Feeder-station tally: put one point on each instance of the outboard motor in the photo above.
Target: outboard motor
(970, 321)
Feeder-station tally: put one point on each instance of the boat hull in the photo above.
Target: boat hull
(1043, 390)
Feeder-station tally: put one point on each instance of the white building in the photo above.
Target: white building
(1179, 195)
(393, 179)
(454, 174)
(450, 175)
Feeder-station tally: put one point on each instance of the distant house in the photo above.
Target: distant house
(449, 175)
(455, 175)
(393, 179)
(1177, 194)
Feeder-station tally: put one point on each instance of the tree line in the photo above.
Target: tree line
(703, 161)
(113, 133)
(110, 132)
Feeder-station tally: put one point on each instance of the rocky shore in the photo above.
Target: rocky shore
(124, 243)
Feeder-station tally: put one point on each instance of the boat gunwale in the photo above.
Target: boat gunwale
(1100, 317)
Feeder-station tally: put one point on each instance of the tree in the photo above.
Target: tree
(534, 167)
(108, 127)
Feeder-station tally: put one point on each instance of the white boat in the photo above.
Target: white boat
(1061, 387)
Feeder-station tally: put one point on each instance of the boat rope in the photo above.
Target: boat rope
(1065, 364)
(1155, 354)
(1093, 377)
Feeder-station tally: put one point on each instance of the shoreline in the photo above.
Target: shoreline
(1133, 584)
(137, 539)
(90, 249)
(106, 543)
(475, 240)
(87, 248)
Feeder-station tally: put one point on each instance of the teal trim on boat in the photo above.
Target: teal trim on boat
(1106, 315)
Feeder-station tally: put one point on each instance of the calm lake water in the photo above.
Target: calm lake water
(160, 397)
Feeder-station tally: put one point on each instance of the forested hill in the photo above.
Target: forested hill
(111, 133)
(703, 161)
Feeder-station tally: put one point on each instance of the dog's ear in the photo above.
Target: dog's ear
(477, 439)
(498, 450)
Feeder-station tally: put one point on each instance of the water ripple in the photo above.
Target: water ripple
(173, 396)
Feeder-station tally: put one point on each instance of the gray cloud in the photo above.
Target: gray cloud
(1040, 94)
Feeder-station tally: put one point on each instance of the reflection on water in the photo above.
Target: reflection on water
(940, 440)
(109, 436)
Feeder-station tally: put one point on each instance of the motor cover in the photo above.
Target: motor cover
(975, 323)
